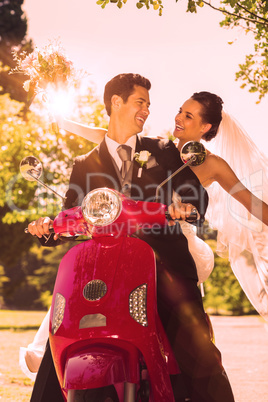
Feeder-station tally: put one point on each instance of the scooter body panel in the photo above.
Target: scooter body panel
(123, 264)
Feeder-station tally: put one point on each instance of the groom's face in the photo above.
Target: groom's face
(135, 111)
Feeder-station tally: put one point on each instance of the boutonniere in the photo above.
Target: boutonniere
(142, 158)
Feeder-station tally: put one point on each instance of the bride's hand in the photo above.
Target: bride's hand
(181, 211)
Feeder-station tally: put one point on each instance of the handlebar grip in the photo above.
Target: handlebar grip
(51, 230)
(191, 218)
(168, 217)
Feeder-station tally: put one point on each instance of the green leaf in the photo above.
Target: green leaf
(232, 3)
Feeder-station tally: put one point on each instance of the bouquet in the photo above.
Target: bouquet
(48, 69)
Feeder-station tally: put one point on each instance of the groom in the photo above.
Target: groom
(112, 164)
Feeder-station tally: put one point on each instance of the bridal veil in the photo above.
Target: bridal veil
(241, 236)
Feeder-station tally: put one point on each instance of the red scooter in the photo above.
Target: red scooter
(106, 338)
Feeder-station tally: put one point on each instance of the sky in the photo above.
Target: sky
(181, 53)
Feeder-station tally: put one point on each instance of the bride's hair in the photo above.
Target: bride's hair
(211, 111)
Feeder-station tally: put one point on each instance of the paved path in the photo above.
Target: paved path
(243, 342)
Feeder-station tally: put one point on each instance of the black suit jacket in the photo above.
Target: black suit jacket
(96, 169)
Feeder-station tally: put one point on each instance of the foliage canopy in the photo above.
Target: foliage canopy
(27, 273)
(250, 15)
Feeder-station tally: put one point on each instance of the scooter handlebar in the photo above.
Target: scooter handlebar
(193, 217)
(51, 230)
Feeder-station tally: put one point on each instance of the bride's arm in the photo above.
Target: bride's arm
(93, 134)
(225, 176)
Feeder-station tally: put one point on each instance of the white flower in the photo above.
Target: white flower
(142, 157)
(26, 85)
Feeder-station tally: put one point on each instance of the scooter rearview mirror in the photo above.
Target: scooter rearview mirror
(193, 153)
(193, 148)
(31, 168)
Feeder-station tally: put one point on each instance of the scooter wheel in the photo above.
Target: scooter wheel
(105, 394)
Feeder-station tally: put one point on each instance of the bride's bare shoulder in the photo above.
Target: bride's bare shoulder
(210, 170)
(215, 163)
(212, 159)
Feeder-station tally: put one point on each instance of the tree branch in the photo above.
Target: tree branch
(236, 15)
(251, 13)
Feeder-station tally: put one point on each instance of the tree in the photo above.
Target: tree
(24, 133)
(30, 281)
(13, 29)
(27, 272)
(251, 15)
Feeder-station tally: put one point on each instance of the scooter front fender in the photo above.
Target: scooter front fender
(96, 368)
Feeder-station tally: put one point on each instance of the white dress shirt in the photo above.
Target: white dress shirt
(113, 145)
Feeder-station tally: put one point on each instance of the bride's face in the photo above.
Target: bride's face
(188, 122)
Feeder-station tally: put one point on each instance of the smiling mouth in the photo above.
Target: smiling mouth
(178, 127)
(141, 119)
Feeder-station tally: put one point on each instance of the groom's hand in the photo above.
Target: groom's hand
(181, 211)
(41, 227)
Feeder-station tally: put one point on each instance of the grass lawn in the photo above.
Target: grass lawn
(17, 328)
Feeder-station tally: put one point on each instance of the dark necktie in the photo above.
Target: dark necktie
(124, 152)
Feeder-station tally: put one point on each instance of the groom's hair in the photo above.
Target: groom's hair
(123, 86)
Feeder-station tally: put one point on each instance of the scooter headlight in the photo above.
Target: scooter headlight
(58, 312)
(101, 207)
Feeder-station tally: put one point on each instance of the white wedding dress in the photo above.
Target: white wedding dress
(36, 349)
(241, 236)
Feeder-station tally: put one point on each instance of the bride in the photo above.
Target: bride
(234, 211)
